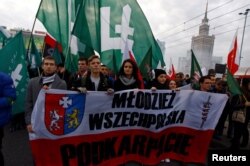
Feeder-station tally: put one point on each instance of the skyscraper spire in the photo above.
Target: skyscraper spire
(205, 20)
(206, 10)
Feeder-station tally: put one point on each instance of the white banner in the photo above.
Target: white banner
(155, 125)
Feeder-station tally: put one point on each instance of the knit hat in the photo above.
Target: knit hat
(159, 72)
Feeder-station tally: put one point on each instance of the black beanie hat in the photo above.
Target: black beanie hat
(159, 72)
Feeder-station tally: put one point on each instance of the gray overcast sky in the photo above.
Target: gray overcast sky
(169, 20)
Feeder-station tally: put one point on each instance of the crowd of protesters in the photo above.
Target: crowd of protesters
(93, 76)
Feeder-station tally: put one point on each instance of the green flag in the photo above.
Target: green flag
(58, 17)
(71, 62)
(12, 59)
(86, 31)
(195, 67)
(233, 85)
(108, 24)
(77, 48)
(146, 65)
(55, 17)
(35, 59)
(86, 27)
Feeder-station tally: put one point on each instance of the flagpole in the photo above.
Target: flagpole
(70, 32)
(58, 22)
(33, 26)
(67, 56)
(245, 13)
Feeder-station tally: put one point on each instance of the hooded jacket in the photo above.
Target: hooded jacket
(7, 96)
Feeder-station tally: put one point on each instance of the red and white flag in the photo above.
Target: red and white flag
(233, 58)
(171, 71)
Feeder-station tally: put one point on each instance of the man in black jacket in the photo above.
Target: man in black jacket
(95, 80)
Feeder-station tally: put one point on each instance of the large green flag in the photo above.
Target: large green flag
(233, 85)
(85, 35)
(58, 17)
(195, 67)
(86, 27)
(35, 59)
(76, 48)
(106, 25)
(12, 59)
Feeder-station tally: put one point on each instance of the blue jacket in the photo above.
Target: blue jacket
(7, 96)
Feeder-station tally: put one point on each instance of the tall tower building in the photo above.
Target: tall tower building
(203, 44)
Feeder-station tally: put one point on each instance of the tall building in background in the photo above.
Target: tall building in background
(202, 45)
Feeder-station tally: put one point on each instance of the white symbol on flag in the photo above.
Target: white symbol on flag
(108, 42)
(15, 75)
(65, 102)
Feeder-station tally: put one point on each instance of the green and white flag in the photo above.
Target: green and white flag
(195, 67)
(35, 59)
(58, 17)
(54, 15)
(12, 59)
(85, 35)
(108, 24)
